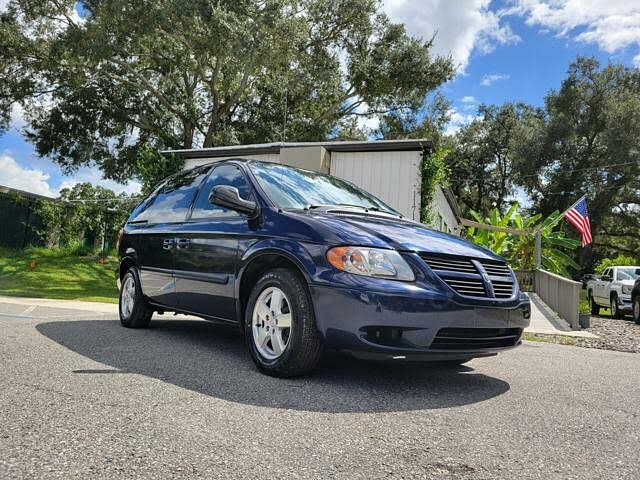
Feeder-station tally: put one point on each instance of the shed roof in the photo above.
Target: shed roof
(332, 146)
(24, 193)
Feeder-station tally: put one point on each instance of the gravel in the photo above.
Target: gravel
(619, 335)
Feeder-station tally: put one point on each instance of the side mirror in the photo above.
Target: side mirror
(229, 197)
(606, 278)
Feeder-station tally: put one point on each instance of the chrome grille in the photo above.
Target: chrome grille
(453, 265)
(463, 277)
(500, 269)
(502, 289)
(471, 288)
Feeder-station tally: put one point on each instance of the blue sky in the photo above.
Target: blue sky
(506, 50)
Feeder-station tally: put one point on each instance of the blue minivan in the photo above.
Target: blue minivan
(304, 262)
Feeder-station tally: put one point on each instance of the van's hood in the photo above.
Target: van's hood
(390, 232)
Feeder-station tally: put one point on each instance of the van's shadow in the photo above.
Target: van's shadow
(212, 360)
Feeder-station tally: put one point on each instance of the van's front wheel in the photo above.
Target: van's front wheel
(280, 325)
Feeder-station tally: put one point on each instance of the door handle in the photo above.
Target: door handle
(168, 243)
(182, 243)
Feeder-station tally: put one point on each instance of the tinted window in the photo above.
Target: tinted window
(223, 175)
(170, 202)
(295, 188)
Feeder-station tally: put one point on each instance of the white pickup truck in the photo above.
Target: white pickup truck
(613, 290)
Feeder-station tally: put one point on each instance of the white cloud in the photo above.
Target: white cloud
(489, 80)
(3, 5)
(36, 180)
(31, 180)
(461, 26)
(457, 120)
(611, 24)
(468, 99)
(94, 176)
(17, 119)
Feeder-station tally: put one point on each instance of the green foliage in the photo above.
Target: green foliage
(482, 163)
(58, 273)
(519, 250)
(179, 74)
(152, 167)
(620, 260)
(587, 142)
(433, 172)
(84, 211)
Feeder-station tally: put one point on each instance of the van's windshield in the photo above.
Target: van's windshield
(294, 188)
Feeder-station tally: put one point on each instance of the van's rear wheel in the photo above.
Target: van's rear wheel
(280, 326)
(133, 307)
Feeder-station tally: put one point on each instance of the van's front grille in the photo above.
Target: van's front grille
(466, 276)
(475, 338)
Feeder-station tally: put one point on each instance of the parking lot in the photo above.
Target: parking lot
(82, 397)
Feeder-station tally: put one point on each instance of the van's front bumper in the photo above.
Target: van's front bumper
(415, 324)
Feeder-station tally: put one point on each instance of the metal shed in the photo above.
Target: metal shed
(390, 169)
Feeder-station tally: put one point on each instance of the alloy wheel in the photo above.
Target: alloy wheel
(128, 296)
(271, 323)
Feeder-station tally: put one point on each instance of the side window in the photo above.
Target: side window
(223, 175)
(170, 202)
(607, 272)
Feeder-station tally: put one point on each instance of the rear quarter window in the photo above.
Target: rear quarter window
(171, 200)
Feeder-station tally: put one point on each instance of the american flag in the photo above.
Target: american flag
(579, 218)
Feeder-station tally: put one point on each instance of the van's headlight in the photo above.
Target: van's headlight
(627, 289)
(372, 262)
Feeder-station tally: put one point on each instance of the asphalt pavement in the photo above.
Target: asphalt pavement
(82, 397)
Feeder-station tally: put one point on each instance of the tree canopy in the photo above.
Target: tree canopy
(100, 85)
(585, 140)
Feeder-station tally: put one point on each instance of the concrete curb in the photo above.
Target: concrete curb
(99, 307)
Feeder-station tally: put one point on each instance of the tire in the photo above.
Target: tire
(636, 309)
(134, 311)
(595, 308)
(277, 350)
(615, 311)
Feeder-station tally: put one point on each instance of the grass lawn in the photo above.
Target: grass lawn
(57, 274)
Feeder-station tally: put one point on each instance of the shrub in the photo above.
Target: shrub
(620, 260)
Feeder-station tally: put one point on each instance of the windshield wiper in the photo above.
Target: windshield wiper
(366, 209)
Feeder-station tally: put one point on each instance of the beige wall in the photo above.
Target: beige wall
(311, 158)
(391, 176)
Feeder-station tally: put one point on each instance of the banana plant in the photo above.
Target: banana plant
(519, 250)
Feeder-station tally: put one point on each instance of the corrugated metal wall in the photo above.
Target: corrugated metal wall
(392, 176)
(194, 162)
